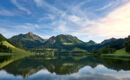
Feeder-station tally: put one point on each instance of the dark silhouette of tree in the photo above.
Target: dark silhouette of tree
(107, 50)
(127, 46)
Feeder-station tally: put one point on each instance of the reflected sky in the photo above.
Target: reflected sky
(100, 72)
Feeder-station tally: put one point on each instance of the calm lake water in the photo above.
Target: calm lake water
(65, 68)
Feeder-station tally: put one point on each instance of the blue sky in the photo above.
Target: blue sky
(86, 19)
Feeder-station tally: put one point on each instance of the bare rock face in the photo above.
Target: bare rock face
(30, 33)
(33, 36)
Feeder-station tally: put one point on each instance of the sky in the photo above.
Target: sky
(87, 19)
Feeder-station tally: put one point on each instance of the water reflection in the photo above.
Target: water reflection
(66, 68)
(4, 58)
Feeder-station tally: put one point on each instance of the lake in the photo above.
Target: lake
(65, 68)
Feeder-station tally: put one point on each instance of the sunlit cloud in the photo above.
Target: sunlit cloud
(116, 24)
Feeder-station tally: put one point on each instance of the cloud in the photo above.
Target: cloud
(45, 36)
(80, 21)
(26, 27)
(21, 7)
(109, 5)
(47, 17)
(13, 29)
(47, 6)
(115, 24)
(39, 3)
(112, 4)
(64, 21)
(59, 26)
(74, 18)
(6, 32)
(4, 12)
(62, 27)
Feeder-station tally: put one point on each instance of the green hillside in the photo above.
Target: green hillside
(119, 53)
(5, 44)
(15, 50)
(7, 49)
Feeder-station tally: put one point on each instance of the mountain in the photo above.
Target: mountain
(28, 40)
(112, 42)
(108, 41)
(62, 41)
(109, 45)
(91, 42)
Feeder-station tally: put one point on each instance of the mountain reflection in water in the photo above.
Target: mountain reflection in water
(66, 68)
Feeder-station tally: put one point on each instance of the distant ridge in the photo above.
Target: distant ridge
(65, 42)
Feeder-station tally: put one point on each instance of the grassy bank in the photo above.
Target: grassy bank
(119, 53)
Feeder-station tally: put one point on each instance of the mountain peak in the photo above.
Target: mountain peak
(62, 41)
(64, 35)
(29, 33)
(32, 36)
(91, 42)
(28, 40)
